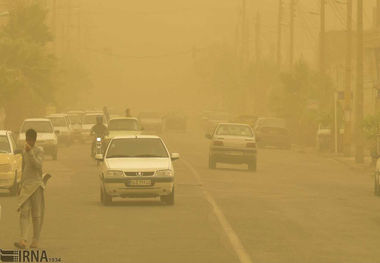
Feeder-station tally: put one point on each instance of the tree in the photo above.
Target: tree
(303, 98)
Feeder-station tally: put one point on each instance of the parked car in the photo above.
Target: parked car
(233, 143)
(75, 118)
(123, 126)
(137, 166)
(272, 132)
(46, 137)
(88, 121)
(151, 121)
(61, 123)
(10, 163)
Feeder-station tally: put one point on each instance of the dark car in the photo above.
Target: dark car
(272, 132)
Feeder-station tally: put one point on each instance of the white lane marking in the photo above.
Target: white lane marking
(232, 236)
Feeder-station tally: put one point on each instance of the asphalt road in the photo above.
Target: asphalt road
(297, 207)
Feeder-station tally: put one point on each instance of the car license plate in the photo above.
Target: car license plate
(140, 183)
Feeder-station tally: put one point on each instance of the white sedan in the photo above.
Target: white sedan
(137, 166)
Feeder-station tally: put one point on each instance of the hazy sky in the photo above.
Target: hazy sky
(140, 46)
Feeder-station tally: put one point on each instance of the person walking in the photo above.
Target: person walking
(31, 196)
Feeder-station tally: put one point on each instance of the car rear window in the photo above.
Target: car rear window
(38, 126)
(234, 130)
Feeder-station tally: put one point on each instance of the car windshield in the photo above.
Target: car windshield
(58, 121)
(123, 125)
(75, 119)
(148, 115)
(137, 148)
(38, 126)
(5, 146)
(234, 130)
(90, 119)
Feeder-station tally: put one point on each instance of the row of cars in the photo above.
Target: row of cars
(268, 131)
(235, 140)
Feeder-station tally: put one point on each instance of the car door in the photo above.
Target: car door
(17, 158)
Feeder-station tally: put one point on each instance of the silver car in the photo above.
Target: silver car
(233, 143)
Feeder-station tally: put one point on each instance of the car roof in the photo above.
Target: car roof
(94, 113)
(233, 123)
(137, 137)
(37, 119)
(57, 115)
(123, 118)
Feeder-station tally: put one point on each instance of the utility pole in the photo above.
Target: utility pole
(245, 35)
(347, 83)
(257, 62)
(279, 32)
(359, 86)
(292, 16)
(257, 38)
(322, 37)
(54, 26)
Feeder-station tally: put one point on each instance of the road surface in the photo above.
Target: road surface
(298, 207)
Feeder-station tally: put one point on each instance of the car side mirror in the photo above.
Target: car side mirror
(57, 132)
(18, 151)
(99, 157)
(209, 136)
(174, 156)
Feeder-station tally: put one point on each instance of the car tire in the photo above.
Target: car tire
(211, 163)
(376, 184)
(168, 199)
(105, 198)
(14, 189)
(252, 166)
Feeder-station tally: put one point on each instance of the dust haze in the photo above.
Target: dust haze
(189, 131)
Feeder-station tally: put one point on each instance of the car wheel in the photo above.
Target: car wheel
(105, 198)
(252, 166)
(211, 163)
(376, 186)
(168, 199)
(14, 189)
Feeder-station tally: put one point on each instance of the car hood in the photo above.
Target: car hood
(138, 164)
(123, 133)
(40, 136)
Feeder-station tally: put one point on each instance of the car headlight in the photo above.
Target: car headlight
(164, 173)
(114, 173)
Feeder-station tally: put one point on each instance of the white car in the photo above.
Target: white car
(122, 126)
(233, 143)
(61, 123)
(46, 137)
(137, 166)
(88, 121)
(75, 118)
